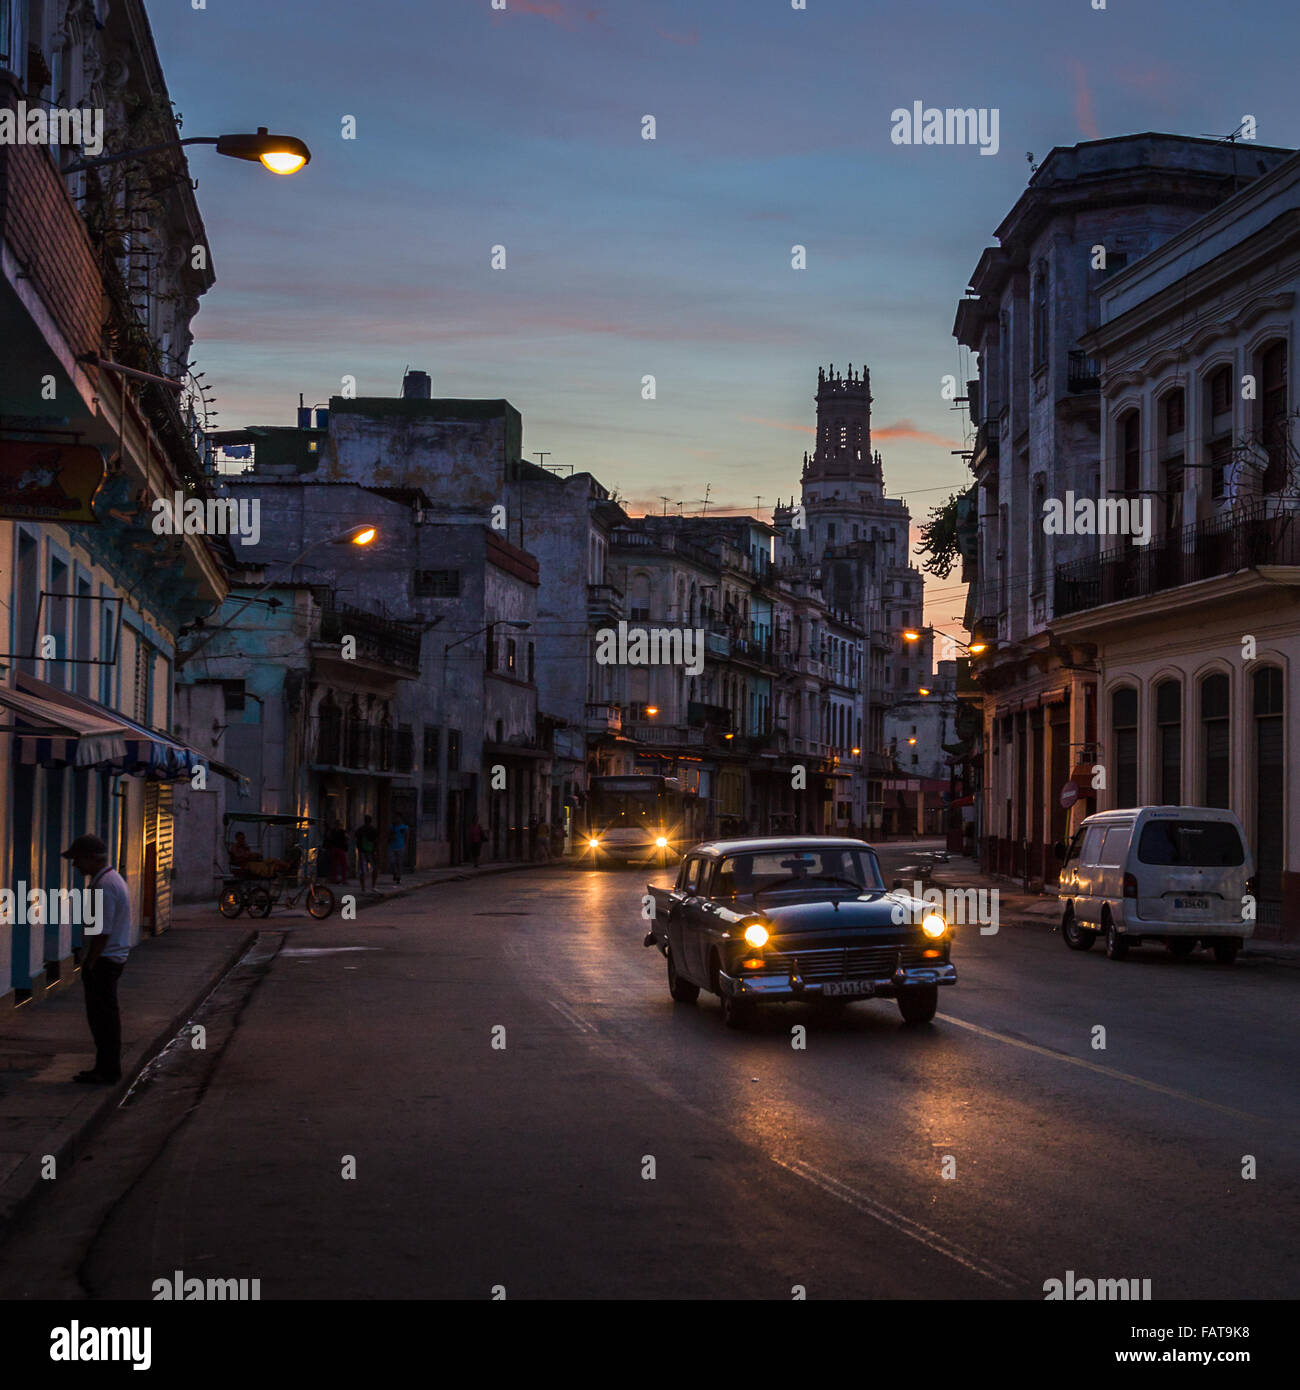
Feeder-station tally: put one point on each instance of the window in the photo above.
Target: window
(532, 661)
(437, 583)
(1210, 844)
(428, 810)
(432, 740)
(1169, 741)
(510, 655)
(1091, 851)
(453, 750)
(1175, 413)
(1130, 451)
(1215, 754)
(1219, 432)
(1270, 781)
(1114, 845)
(1040, 318)
(1123, 720)
(1274, 435)
(1172, 478)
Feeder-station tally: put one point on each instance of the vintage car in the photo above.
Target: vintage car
(759, 920)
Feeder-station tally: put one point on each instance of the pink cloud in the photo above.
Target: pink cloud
(560, 12)
(1083, 112)
(906, 430)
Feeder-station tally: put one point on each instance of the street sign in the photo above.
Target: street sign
(1069, 794)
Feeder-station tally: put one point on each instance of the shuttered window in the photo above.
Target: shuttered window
(1123, 722)
(1169, 741)
(1270, 783)
(1215, 764)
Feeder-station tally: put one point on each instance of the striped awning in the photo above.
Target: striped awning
(60, 737)
(71, 731)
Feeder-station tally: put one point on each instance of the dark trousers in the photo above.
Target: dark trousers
(100, 984)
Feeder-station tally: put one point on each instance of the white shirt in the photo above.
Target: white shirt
(114, 921)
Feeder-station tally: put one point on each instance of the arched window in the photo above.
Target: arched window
(1218, 431)
(1274, 435)
(1215, 764)
(639, 599)
(1130, 453)
(1124, 743)
(1169, 741)
(1173, 417)
(1270, 782)
(1040, 318)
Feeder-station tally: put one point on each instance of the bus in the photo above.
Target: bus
(630, 819)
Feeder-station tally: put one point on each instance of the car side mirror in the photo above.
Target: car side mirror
(1058, 849)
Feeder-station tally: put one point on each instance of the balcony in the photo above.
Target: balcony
(1267, 532)
(673, 735)
(379, 641)
(604, 604)
(717, 644)
(354, 744)
(603, 719)
(1082, 373)
(987, 437)
(662, 543)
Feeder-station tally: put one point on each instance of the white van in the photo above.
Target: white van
(1177, 874)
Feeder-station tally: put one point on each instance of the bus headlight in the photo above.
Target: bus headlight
(933, 925)
(756, 934)
(661, 842)
(593, 844)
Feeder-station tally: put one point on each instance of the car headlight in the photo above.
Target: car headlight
(661, 842)
(933, 925)
(593, 844)
(756, 934)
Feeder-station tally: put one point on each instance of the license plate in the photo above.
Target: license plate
(1191, 904)
(859, 987)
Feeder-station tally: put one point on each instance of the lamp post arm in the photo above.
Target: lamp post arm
(183, 658)
(98, 163)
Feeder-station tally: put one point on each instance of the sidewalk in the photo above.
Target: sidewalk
(43, 1044)
(1044, 909)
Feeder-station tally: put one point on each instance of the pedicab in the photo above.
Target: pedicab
(280, 865)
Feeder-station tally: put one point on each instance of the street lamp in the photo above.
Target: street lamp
(281, 154)
(973, 648)
(361, 535)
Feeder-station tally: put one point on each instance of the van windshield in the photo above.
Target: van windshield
(1208, 844)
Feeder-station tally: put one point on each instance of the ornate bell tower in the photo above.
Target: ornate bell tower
(843, 452)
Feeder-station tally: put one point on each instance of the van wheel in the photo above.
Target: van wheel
(681, 990)
(1116, 946)
(1225, 950)
(1182, 945)
(1077, 938)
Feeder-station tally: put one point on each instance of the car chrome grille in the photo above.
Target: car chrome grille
(845, 962)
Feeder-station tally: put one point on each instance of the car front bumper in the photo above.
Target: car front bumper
(763, 986)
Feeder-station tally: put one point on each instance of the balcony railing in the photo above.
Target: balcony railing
(1266, 532)
(377, 639)
(604, 719)
(1082, 373)
(353, 743)
(665, 734)
(604, 603)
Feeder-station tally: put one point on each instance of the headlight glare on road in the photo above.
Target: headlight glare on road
(756, 934)
(933, 925)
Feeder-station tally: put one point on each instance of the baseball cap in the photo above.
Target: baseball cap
(89, 845)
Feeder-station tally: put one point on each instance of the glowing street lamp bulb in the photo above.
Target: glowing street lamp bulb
(652, 710)
(911, 740)
(857, 752)
(364, 537)
(910, 636)
(923, 691)
(282, 161)
(976, 648)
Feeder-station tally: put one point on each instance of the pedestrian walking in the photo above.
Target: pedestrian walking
(366, 839)
(475, 838)
(105, 956)
(396, 849)
(336, 841)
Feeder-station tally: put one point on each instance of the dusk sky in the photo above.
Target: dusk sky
(671, 257)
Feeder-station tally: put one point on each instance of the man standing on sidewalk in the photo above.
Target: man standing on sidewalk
(105, 956)
(366, 839)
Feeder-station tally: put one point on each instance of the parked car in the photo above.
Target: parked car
(1177, 874)
(763, 920)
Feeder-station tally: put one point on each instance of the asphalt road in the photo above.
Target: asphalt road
(350, 1130)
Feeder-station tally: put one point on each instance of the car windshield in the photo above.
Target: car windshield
(1211, 844)
(742, 875)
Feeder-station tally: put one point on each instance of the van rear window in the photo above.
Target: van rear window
(1206, 844)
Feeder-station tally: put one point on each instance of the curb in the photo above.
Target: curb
(24, 1184)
